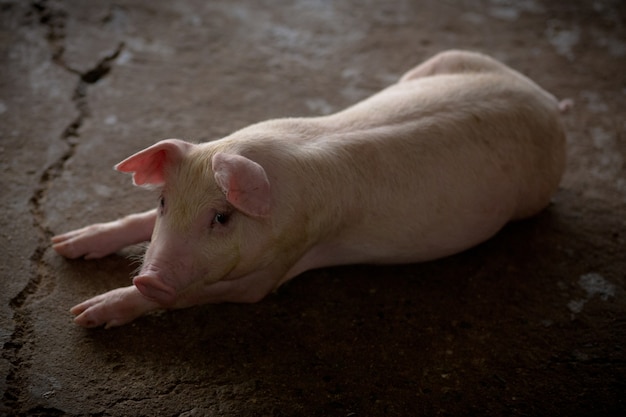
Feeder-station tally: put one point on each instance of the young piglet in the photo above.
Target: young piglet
(428, 167)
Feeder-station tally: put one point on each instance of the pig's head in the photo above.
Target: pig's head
(212, 222)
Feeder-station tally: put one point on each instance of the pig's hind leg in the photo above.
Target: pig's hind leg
(453, 62)
(101, 239)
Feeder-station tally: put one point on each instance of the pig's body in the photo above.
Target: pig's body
(428, 167)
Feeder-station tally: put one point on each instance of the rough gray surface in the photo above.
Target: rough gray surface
(532, 322)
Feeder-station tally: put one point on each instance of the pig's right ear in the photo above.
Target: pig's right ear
(244, 182)
(148, 166)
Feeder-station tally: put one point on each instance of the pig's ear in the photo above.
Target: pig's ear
(148, 166)
(244, 182)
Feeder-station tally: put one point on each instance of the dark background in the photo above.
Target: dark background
(531, 323)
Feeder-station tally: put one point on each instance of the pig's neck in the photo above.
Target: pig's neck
(320, 166)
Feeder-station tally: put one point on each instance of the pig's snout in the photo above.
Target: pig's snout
(153, 288)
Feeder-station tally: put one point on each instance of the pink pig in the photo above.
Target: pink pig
(428, 167)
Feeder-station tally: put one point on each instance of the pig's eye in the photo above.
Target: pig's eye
(220, 218)
(161, 204)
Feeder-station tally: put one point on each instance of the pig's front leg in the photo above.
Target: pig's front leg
(101, 239)
(114, 308)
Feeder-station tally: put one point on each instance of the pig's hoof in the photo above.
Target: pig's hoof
(114, 308)
(94, 241)
(87, 242)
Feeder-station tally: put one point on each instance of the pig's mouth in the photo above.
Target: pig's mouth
(155, 289)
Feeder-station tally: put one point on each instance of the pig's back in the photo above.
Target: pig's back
(432, 166)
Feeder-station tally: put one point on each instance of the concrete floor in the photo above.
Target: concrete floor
(533, 322)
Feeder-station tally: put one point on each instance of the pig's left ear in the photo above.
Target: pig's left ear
(244, 182)
(148, 166)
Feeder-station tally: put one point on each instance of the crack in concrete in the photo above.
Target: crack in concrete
(54, 20)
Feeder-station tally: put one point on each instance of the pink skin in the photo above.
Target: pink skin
(171, 252)
(154, 287)
(102, 239)
(151, 289)
(428, 152)
(123, 305)
(113, 308)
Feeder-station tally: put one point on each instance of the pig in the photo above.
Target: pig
(432, 165)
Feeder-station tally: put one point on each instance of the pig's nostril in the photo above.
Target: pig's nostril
(155, 289)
